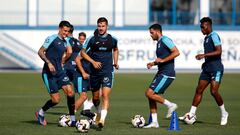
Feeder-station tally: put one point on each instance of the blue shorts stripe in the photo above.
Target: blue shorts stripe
(218, 76)
(79, 83)
(112, 79)
(161, 83)
(45, 78)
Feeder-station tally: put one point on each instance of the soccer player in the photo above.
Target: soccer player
(212, 69)
(104, 52)
(75, 71)
(53, 74)
(166, 52)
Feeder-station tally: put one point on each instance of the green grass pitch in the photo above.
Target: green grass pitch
(22, 94)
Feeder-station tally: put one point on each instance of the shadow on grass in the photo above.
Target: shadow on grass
(34, 122)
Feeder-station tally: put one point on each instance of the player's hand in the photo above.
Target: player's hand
(199, 56)
(85, 76)
(116, 66)
(150, 64)
(51, 68)
(97, 65)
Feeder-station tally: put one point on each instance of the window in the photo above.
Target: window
(221, 11)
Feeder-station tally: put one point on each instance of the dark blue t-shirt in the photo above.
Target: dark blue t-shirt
(101, 50)
(212, 64)
(70, 64)
(55, 47)
(164, 46)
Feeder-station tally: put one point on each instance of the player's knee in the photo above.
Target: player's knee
(148, 93)
(84, 95)
(214, 92)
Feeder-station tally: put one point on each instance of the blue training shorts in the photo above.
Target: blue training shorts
(54, 83)
(160, 83)
(209, 76)
(80, 84)
(102, 80)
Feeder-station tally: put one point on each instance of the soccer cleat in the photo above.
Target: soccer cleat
(41, 119)
(101, 124)
(171, 109)
(224, 119)
(152, 125)
(87, 113)
(181, 118)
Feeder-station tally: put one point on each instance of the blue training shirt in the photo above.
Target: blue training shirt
(164, 46)
(212, 64)
(55, 47)
(70, 64)
(101, 50)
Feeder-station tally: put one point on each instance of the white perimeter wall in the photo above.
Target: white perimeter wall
(137, 48)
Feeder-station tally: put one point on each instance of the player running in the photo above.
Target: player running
(53, 74)
(166, 52)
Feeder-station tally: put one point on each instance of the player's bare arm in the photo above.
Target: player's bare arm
(115, 58)
(95, 64)
(41, 53)
(217, 52)
(80, 67)
(174, 54)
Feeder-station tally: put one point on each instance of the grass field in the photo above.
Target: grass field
(22, 94)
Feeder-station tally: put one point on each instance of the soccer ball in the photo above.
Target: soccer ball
(83, 126)
(138, 121)
(190, 118)
(64, 121)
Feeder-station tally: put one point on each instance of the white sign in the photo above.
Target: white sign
(137, 48)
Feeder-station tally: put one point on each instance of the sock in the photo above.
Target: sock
(72, 117)
(87, 105)
(103, 114)
(48, 105)
(97, 105)
(71, 104)
(167, 103)
(154, 117)
(222, 108)
(41, 112)
(193, 109)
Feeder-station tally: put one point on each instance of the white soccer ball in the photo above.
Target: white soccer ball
(138, 121)
(190, 118)
(83, 126)
(64, 121)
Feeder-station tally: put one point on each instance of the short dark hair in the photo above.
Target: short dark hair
(82, 34)
(102, 19)
(71, 29)
(206, 19)
(64, 23)
(156, 26)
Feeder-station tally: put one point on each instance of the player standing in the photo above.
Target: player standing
(166, 52)
(104, 52)
(212, 69)
(53, 74)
